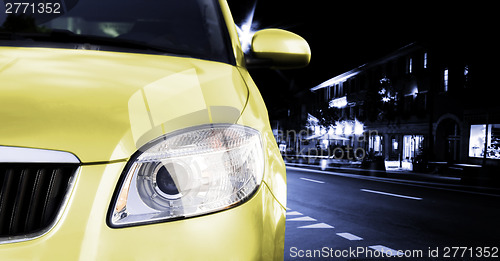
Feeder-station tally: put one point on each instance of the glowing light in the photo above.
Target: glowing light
(445, 79)
(347, 128)
(358, 127)
(385, 80)
(338, 103)
(331, 130)
(312, 120)
(323, 164)
(317, 130)
(414, 92)
(247, 29)
(394, 144)
(339, 128)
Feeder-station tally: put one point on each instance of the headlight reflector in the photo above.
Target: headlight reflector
(189, 173)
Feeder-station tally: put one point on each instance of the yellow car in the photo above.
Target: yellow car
(132, 130)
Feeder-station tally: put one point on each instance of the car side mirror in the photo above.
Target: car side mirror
(278, 49)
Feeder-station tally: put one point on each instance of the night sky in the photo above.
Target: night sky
(344, 35)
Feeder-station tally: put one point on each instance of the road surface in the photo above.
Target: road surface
(343, 217)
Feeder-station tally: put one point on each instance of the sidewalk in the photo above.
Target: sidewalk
(437, 179)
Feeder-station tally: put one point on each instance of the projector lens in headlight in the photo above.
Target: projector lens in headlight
(189, 173)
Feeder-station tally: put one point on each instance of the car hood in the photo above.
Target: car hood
(102, 106)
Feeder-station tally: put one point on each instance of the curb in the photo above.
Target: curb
(429, 180)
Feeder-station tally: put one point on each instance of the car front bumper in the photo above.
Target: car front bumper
(253, 230)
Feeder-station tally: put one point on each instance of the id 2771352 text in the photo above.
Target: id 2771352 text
(32, 8)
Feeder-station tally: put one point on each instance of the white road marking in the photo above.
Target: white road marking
(390, 194)
(294, 213)
(349, 236)
(319, 225)
(312, 180)
(413, 183)
(306, 218)
(387, 251)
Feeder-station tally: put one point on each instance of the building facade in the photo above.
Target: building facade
(420, 107)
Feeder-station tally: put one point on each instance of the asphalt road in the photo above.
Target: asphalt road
(334, 217)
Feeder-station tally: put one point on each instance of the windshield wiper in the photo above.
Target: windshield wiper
(65, 36)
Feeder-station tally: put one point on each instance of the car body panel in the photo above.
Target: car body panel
(102, 107)
(246, 232)
(256, 115)
(233, 34)
(79, 100)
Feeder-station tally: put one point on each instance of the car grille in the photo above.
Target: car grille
(31, 196)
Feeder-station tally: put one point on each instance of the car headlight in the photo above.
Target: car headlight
(188, 173)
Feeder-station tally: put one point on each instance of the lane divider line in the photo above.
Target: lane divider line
(312, 180)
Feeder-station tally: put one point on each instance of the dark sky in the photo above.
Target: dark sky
(345, 34)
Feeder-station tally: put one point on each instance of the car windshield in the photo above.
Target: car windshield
(179, 27)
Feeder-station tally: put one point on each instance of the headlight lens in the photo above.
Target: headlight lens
(189, 173)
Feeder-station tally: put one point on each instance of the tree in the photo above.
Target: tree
(327, 116)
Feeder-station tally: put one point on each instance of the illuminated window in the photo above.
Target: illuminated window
(476, 140)
(413, 146)
(493, 139)
(466, 76)
(410, 65)
(445, 79)
(394, 144)
(376, 144)
(481, 135)
(425, 60)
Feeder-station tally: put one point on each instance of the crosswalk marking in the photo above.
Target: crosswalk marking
(349, 236)
(390, 194)
(383, 249)
(387, 251)
(319, 225)
(294, 213)
(306, 218)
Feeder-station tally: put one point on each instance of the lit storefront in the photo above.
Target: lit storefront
(400, 151)
(484, 135)
(376, 145)
(412, 147)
